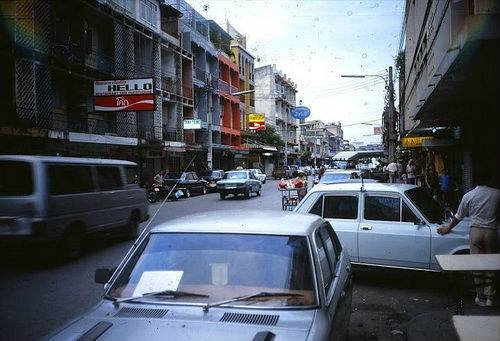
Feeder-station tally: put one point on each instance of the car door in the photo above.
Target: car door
(336, 280)
(341, 210)
(197, 183)
(390, 233)
(254, 182)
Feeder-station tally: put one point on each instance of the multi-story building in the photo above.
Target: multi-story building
(449, 86)
(52, 51)
(314, 139)
(275, 96)
(335, 137)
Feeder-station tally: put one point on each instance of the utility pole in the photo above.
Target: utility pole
(391, 133)
(286, 140)
(210, 142)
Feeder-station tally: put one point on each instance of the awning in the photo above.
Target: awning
(356, 155)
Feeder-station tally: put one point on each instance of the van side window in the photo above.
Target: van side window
(108, 178)
(131, 175)
(70, 179)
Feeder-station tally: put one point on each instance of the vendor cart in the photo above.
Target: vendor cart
(289, 198)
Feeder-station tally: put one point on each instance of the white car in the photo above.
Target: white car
(389, 225)
(258, 174)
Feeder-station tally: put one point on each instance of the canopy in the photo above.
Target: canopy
(356, 155)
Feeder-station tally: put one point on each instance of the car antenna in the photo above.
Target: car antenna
(362, 183)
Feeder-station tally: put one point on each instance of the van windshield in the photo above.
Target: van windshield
(16, 178)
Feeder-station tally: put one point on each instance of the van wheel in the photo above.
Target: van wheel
(72, 242)
(132, 230)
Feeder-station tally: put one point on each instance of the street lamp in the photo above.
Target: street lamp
(364, 76)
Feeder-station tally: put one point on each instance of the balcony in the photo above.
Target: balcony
(187, 91)
(224, 86)
(200, 74)
(172, 134)
(233, 89)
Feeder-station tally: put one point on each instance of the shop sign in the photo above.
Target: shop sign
(300, 113)
(414, 142)
(124, 95)
(257, 122)
(192, 123)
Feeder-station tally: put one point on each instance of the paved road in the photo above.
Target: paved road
(36, 299)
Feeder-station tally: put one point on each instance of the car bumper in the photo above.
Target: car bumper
(238, 190)
(25, 229)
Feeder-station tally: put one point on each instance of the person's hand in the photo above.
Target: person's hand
(442, 230)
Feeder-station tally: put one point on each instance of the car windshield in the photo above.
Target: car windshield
(16, 178)
(235, 175)
(222, 266)
(174, 176)
(426, 204)
(208, 173)
(332, 177)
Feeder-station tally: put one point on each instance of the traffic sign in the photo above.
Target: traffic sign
(300, 112)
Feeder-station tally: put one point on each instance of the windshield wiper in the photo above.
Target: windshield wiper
(249, 297)
(169, 293)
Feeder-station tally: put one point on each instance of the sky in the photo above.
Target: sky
(314, 42)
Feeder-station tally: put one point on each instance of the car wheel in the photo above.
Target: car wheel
(264, 181)
(222, 196)
(72, 242)
(204, 190)
(132, 230)
(188, 193)
(258, 193)
(248, 194)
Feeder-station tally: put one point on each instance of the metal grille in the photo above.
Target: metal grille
(264, 320)
(128, 312)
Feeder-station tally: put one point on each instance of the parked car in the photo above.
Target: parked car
(232, 275)
(389, 225)
(62, 199)
(259, 175)
(282, 172)
(339, 175)
(211, 177)
(189, 182)
(239, 182)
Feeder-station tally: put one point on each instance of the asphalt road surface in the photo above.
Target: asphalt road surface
(36, 298)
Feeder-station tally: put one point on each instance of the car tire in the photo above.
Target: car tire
(258, 193)
(222, 196)
(248, 193)
(188, 193)
(71, 246)
(132, 230)
(204, 191)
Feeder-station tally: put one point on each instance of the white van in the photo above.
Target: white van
(62, 199)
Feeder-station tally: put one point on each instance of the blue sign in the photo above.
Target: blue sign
(301, 112)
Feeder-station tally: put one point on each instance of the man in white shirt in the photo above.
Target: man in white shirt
(392, 168)
(482, 205)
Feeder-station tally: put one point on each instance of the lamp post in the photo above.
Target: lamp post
(391, 134)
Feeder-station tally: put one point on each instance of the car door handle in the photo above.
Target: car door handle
(366, 227)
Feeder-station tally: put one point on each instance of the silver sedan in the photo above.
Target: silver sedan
(252, 275)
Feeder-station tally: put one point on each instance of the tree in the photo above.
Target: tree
(269, 137)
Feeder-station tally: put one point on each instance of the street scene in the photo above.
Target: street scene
(249, 170)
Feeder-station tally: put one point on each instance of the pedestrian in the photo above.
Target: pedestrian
(445, 187)
(158, 179)
(321, 171)
(392, 168)
(411, 172)
(482, 205)
(300, 182)
(432, 181)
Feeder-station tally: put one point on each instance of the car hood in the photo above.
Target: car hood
(181, 323)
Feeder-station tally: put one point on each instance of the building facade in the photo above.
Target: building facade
(335, 137)
(275, 96)
(449, 86)
(52, 53)
(315, 141)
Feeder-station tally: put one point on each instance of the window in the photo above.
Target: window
(131, 175)
(108, 178)
(147, 11)
(324, 261)
(68, 179)
(330, 249)
(317, 207)
(16, 178)
(341, 207)
(407, 214)
(381, 208)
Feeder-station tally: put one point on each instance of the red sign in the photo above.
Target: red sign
(257, 126)
(124, 103)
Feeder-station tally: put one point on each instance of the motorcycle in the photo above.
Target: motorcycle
(157, 192)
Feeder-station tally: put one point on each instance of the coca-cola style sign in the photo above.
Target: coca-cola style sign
(124, 95)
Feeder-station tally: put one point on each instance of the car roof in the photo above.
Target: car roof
(368, 186)
(63, 159)
(238, 170)
(247, 221)
(341, 171)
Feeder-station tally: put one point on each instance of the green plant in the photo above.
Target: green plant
(269, 137)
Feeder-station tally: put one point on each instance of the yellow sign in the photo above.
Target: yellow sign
(414, 142)
(256, 118)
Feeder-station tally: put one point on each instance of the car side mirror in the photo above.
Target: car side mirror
(418, 223)
(103, 275)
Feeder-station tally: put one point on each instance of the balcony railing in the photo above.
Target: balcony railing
(172, 134)
(187, 91)
(233, 89)
(224, 86)
(200, 74)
